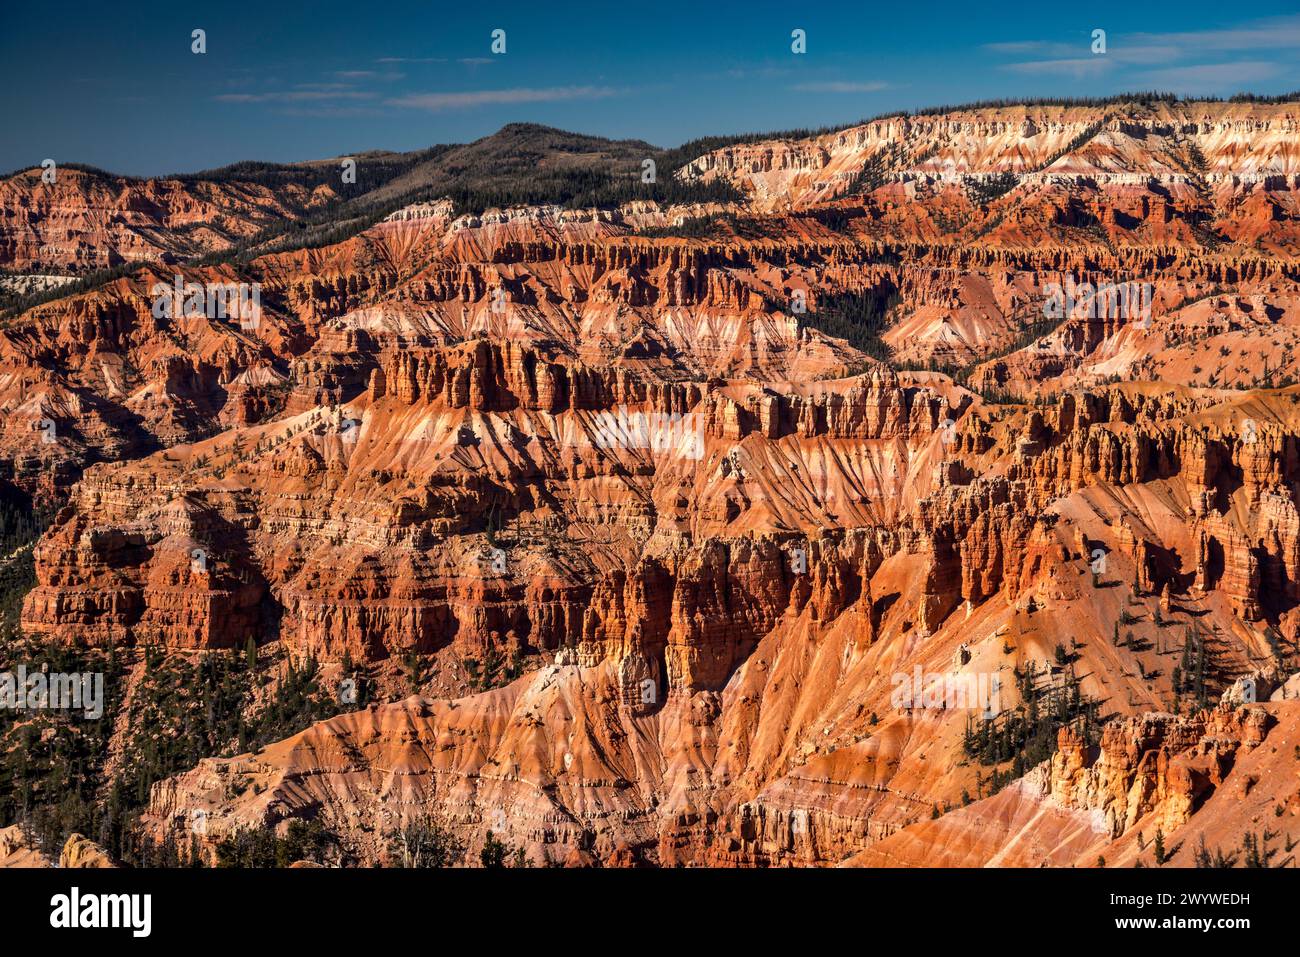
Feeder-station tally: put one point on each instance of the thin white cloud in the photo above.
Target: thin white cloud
(1040, 48)
(1137, 54)
(1077, 67)
(873, 86)
(329, 111)
(411, 59)
(1118, 50)
(1212, 77)
(745, 72)
(436, 102)
(387, 76)
(293, 96)
(1151, 49)
(1272, 33)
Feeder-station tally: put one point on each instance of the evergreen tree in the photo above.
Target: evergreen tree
(493, 853)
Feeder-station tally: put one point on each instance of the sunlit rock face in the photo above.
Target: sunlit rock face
(720, 538)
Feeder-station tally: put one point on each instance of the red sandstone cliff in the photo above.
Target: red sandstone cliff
(720, 533)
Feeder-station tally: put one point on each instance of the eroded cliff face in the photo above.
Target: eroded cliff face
(768, 645)
(1135, 145)
(1196, 784)
(91, 220)
(721, 538)
(1207, 223)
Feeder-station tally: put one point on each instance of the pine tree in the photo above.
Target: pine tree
(493, 853)
(1202, 854)
(1250, 844)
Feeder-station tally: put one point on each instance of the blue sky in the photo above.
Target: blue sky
(116, 84)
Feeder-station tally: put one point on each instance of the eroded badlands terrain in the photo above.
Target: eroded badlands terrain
(624, 452)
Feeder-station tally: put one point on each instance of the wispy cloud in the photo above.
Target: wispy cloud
(385, 76)
(1077, 67)
(1273, 33)
(1039, 48)
(411, 59)
(1212, 77)
(436, 102)
(293, 96)
(329, 111)
(762, 70)
(837, 86)
(1120, 50)
(1137, 50)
